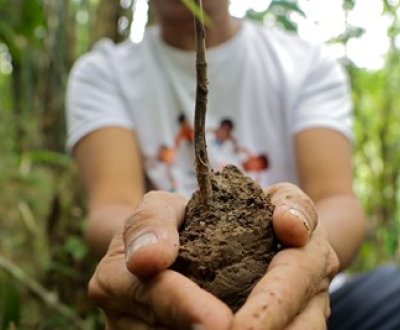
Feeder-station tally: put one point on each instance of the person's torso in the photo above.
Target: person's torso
(248, 101)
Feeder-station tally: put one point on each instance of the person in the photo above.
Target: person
(185, 132)
(286, 99)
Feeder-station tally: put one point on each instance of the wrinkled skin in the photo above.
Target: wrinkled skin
(135, 288)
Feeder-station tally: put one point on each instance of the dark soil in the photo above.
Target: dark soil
(227, 248)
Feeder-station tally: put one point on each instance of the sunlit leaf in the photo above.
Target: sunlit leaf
(76, 247)
(50, 158)
(194, 8)
(287, 5)
(287, 24)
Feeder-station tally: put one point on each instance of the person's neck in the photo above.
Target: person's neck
(181, 34)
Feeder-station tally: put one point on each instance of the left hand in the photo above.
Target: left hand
(293, 295)
(133, 285)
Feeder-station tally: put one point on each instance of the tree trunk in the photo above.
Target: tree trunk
(109, 14)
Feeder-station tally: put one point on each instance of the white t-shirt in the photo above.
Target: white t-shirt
(264, 87)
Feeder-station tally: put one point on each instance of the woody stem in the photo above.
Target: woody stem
(202, 164)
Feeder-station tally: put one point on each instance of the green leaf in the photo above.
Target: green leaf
(287, 24)
(10, 303)
(279, 10)
(287, 5)
(352, 32)
(50, 158)
(76, 247)
(195, 9)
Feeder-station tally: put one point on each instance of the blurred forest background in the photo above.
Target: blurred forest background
(44, 260)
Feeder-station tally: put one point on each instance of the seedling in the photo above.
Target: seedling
(227, 239)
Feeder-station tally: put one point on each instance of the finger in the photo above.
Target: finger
(295, 217)
(182, 304)
(294, 276)
(151, 237)
(314, 315)
(168, 298)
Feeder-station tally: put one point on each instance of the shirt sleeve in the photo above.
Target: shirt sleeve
(324, 98)
(94, 97)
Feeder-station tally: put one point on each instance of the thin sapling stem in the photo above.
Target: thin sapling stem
(202, 164)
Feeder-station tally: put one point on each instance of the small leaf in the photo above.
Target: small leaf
(287, 5)
(194, 8)
(287, 24)
(50, 158)
(76, 247)
(10, 303)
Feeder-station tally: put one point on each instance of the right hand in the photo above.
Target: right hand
(133, 285)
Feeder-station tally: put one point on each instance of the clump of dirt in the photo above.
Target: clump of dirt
(227, 247)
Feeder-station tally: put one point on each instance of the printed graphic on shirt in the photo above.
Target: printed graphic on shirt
(223, 148)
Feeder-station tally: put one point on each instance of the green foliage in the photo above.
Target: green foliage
(41, 201)
(278, 12)
(377, 151)
(22, 24)
(76, 247)
(352, 32)
(377, 155)
(377, 133)
(10, 303)
(42, 228)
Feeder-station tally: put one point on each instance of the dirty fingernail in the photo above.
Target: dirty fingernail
(299, 215)
(141, 241)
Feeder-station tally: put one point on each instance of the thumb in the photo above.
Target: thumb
(294, 218)
(151, 234)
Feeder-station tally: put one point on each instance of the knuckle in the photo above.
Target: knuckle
(281, 191)
(306, 206)
(142, 301)
(333, 263)
(166, 201)
(155, 196)
(155, 207)
(96, 291)
(284, 193)
(138, 221)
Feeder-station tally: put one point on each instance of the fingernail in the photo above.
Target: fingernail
(141, 241)
(198, 326)
(299, 215)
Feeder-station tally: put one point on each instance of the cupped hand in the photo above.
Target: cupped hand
(133, 285)
(293, 295)
(137, 291)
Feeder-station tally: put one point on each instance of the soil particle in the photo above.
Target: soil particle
(226, 249)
